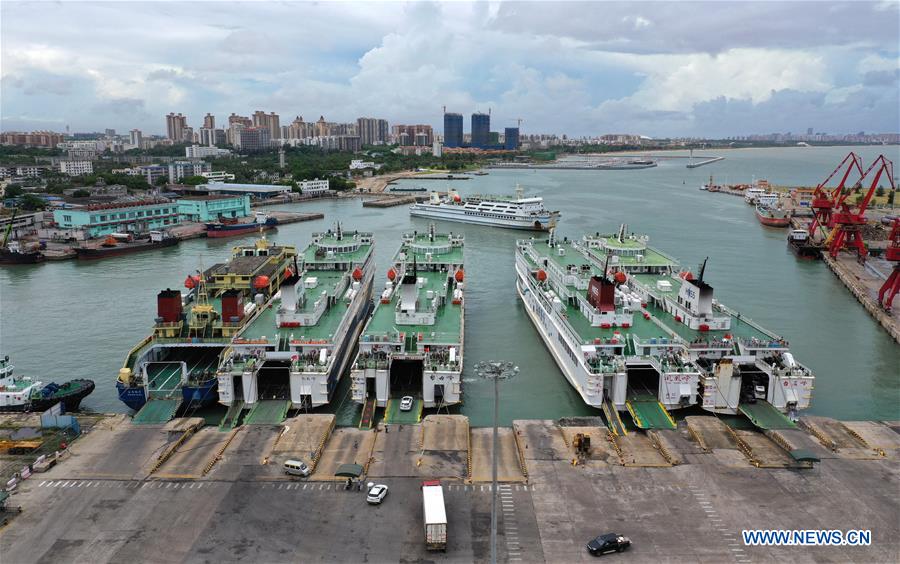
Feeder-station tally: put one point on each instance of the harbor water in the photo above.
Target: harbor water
(63, 320)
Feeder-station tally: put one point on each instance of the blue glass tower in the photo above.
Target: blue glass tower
(481, 130)
(511, 138)
(453, 130)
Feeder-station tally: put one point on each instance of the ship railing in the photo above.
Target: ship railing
(364, 363)
(381, 337)
(130, 358)
(737, 315)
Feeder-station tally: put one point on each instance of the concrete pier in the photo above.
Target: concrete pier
(863, 284)
(106, 503)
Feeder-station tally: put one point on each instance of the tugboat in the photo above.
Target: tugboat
(21, 393)
(800, 242)
(11, 252)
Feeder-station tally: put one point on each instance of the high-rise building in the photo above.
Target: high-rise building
(136, 138)
(209, 121)
(242, 120)
(372, 131)
(110, 133)
(252, 139)
(809, 131)
(481, 129)
(511, 138)
(175, 127)
(420, 135)
(270, 121)
(33, 139)
(207, 136)
(453, 130)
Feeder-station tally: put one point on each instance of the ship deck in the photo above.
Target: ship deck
(357, 256)
(644, 329)
(326, 327)
(448, 319)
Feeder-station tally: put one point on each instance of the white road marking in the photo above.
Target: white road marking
(304, 486)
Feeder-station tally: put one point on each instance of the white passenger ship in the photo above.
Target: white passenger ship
(512, 212)
(632, 332)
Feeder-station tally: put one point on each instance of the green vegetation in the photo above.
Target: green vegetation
(194, 180)
(11, 155)
(32, 202)
(13, 190)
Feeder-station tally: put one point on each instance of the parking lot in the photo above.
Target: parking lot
(91, 508)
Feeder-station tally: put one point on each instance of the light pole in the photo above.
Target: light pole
(495, 370)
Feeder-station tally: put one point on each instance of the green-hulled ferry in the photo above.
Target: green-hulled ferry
(631, 331)
(413, 345)
(296, 350)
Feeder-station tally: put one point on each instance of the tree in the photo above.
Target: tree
(80, 194)
(879, 192)
(890, 199)
(194, 180)
(161, 181)
(13, 190)
(32, 202)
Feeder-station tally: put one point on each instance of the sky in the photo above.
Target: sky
(712, 69)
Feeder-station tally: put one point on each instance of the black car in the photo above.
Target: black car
(610, 542)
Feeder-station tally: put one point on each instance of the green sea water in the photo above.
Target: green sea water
(79, 319)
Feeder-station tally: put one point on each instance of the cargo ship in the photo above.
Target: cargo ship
(177, 364)
(21, 393)
(771, 216)
(516, 212)
(232, 227)
(301, 344)
(117, 244)
(632, 332)
(413, 344)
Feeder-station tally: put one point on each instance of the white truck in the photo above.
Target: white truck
(435, 515)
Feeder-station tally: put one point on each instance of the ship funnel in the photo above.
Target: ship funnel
(168, 305)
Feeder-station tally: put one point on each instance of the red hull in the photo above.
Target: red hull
(773, 221)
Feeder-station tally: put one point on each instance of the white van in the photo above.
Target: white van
(296, 468)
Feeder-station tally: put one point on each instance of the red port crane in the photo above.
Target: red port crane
(823, 201)
(847, 221)
(891, 286)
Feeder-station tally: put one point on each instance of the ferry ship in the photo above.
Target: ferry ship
(633, 332)
(177, 364)
(413, 344)
(516, 212)
(297, 349)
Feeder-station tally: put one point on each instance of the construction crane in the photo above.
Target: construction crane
(823, 201)
(891, 286)
(9, 227)
(848, 220)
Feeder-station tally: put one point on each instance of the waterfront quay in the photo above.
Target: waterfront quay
(184, 492)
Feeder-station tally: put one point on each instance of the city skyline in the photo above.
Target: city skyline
(738, 69)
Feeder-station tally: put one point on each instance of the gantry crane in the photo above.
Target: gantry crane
(823, 201)
(847, 220)
(891, 286)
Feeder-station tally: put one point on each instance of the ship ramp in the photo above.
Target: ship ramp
(394, 415)
(613, 421)
(368, 414)
(157, 411)
(648, 413)
(268, 412)
(232, 416)
(766, 416)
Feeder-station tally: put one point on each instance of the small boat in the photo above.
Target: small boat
(15, 254)
(116, 244)
(21, 393)
(802, 245)
(232, 227)
(773, 216)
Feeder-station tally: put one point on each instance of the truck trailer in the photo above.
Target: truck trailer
(435, 515)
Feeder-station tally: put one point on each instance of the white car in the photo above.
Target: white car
(406, 403)
(376, 494)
